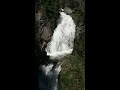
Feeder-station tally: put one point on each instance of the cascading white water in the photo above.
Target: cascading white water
(61, 44)
(63, 38)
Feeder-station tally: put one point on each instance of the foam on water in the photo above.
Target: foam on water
(63, 38)
(60, 45)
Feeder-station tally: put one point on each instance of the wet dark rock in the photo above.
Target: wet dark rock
(68, 10)
(46, 17)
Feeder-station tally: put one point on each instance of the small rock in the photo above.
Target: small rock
(68, 10)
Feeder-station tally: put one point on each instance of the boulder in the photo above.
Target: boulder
(68, 10)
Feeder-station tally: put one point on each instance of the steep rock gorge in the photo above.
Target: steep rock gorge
(72, 76)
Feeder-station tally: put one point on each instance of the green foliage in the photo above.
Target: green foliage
(72, 76)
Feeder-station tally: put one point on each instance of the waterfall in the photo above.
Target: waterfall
(63, 38)
(60, 45)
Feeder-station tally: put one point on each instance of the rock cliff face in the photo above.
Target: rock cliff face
(46, 16)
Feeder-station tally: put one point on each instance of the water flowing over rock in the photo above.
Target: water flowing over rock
(63, 38)
(59, 72)
(60, 45)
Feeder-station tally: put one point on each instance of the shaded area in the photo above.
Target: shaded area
(72, 76)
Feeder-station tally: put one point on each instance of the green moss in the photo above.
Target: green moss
(72, 76)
